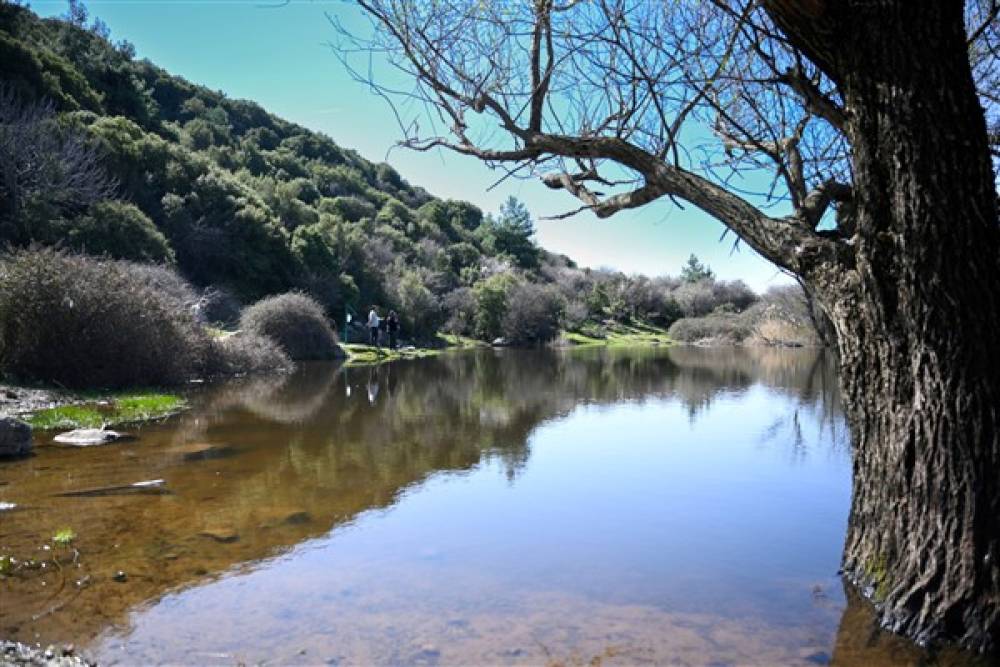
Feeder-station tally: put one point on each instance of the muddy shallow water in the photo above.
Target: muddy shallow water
(494, 507)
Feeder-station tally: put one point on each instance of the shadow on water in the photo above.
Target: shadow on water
(264, 473)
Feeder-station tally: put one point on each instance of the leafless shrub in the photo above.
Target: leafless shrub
(296, 323)
(533, 314)
(44, 162)
(247, 352)
(717, 328)
(460, 304)
(87, 323)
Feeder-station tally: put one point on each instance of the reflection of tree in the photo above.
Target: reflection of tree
(807, 377)
(295, 456)
(861, 642)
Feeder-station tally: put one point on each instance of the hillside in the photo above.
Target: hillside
(246, 204)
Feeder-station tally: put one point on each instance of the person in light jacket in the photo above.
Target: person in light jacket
(373, 322)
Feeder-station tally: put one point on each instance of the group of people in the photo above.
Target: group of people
(376, 324)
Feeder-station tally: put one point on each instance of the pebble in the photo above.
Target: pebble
(17, 654)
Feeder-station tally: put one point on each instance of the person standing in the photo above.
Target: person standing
(392, 326)
(373, 322)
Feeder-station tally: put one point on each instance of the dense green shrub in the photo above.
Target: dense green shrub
(491, 304)
(82, 322)
(349, 208)
(533, 314)
(121, 231)
(296, 323)
(419, 310)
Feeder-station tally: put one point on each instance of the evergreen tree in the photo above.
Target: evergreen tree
(694, 271)
(512, 232)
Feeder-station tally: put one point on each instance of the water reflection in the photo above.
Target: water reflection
(498, 506)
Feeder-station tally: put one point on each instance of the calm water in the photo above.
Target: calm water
(605, 505)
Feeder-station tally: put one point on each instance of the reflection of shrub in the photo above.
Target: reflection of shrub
(247, 352)
(721, 327)
(88, 323)
(296, 323)
(533, 314)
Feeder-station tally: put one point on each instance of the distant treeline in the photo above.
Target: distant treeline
(112, 156)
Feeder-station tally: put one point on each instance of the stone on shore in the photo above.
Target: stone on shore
(86, 437)
(15, 437)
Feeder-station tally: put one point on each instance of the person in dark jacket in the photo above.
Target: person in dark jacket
(392, 326)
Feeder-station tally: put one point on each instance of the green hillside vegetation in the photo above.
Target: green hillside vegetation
(117, 158)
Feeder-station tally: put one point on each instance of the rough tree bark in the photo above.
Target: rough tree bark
(916, 317)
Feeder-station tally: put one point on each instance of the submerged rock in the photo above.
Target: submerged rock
(286, 517)
(86, 437)
(206, 452)
(222, 535)
(15, 437)
(150, 487)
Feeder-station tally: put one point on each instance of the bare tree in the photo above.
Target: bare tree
(43, 164)
(880, 199)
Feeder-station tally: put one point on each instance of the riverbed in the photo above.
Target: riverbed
(588, 506)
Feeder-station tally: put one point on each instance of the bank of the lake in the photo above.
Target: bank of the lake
(48, 408)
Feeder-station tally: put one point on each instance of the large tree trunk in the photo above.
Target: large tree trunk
(917, 320)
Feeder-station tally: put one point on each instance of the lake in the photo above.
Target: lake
(584, 506)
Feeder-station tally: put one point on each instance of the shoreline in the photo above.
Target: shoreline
(48, 408)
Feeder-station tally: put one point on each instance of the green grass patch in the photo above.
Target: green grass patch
(108, 411)
(617, 335)
(362, 355)
(578, 338)
(456, 341)
(64, 536)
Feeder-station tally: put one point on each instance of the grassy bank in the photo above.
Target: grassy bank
(362, 355)
(615, 335)
(95, 411)
(365, 355)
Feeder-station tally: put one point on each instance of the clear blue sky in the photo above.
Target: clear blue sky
(281, 58)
